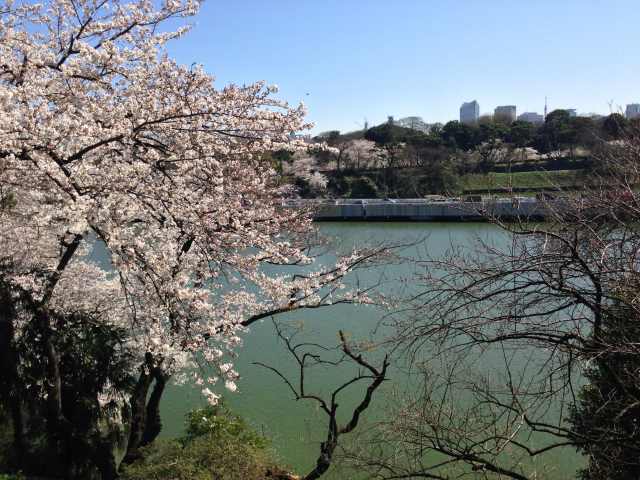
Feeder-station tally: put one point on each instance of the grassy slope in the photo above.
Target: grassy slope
(550, 180)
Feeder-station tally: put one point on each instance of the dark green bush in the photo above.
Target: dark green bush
(217, 445)
(6, 443)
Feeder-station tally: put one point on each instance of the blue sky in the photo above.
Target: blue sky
(354, 59)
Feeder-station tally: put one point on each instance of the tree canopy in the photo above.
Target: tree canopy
(106, 142)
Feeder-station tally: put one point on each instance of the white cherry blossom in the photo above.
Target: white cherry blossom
(105, 139)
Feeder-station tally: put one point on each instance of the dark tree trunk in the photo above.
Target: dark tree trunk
(138, 415)
(56, 421)
(324, 460)
(10, 397)
(153, 424)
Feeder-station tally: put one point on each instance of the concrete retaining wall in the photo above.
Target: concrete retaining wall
(420, 210)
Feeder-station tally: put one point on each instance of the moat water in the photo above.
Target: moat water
(296, 428)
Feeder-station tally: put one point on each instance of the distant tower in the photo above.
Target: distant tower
(366, 124)
(633, 110)
(469, 112)
(505, 113)
(545, 107)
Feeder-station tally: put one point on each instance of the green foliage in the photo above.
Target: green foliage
(521, 133)
(462, 136)
(431, 178)
(353, 186)
(218, 445)
(522, 180)
(559, 131)
(556, 133)
(558, 117)
(386, 134)
(584, 132)
(363, 187)
(219, 422)
(439, 178)
(606, 418)
(91, 358)
(201, 459)
(444, 177)
(491, 132)
(614, 126)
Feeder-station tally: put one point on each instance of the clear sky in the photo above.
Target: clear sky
(354, 59)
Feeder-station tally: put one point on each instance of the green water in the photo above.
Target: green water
(297, 427)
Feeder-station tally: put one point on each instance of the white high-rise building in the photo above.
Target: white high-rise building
(469, 112)
(505, 112)
(633, 110)
(531, 117)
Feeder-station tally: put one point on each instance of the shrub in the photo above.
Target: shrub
(217, 445)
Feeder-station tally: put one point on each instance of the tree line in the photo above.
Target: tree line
(371, 162)
(559, 131)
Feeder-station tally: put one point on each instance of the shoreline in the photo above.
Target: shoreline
(471, 209)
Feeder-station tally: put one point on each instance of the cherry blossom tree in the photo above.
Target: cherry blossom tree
(306, 168)
(362, 153)
(106, 142)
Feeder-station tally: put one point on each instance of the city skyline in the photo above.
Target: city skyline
(469, 112)
(531, 114)
(351, 61)
(629, 111)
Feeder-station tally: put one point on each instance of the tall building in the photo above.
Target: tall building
(469, 112)
(531, 117)
(505, 113)
(633, 110)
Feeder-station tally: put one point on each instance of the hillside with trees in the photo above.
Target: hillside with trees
(408, 159)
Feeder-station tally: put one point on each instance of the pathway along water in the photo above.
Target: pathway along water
(296, 428)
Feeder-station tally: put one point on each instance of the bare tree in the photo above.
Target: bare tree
(513, 323)
(309, 355)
